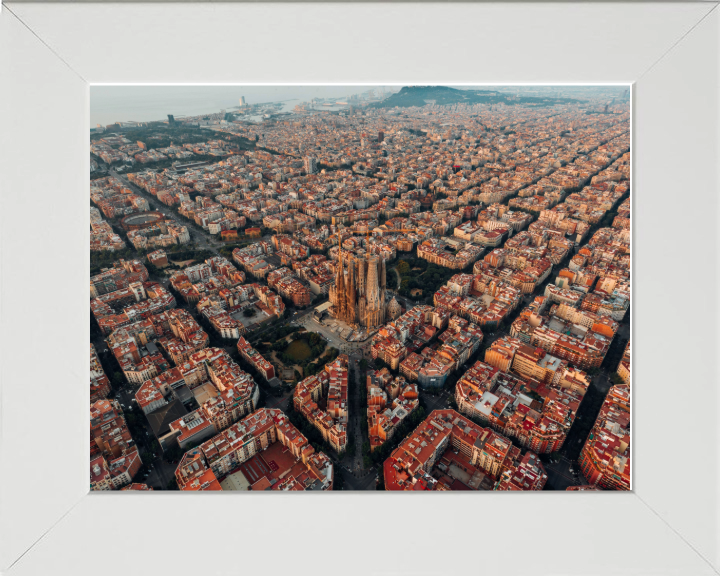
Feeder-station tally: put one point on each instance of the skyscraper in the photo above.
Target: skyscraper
(310, 165)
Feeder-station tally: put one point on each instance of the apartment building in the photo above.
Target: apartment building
(410, 466)
(256, 359)
(237, 450)
(331, 384)
(389, 401)
(114, 457)
(605, 457)
(99, 382)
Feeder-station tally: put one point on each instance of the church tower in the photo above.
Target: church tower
(375, 297)
(358, 296)
(350, 313)
(337, 292)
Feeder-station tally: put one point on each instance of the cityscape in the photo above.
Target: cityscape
(421, 288)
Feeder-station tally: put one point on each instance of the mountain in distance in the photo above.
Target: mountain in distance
(444, 95)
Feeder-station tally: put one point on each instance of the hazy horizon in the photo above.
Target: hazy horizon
(109, 104)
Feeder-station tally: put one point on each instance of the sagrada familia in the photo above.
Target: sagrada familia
(358, 296)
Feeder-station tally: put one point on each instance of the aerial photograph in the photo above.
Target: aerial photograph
(375, 287)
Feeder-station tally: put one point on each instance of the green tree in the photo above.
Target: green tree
(118, 379)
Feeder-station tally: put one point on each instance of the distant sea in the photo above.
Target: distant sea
(110, 104)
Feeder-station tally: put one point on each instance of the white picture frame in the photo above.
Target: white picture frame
(50, 53)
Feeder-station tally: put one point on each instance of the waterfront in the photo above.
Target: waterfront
(111, 104)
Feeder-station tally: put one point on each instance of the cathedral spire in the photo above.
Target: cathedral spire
(358, 296)
(339, 303)
(351, 293)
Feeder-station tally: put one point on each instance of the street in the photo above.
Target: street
(561, 468)
(368, 481)
(333, 338)
(355, 414)
(559, 474)
(281, 402)
(160, 472)
(202, 238)
(437, 401)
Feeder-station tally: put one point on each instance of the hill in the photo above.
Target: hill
(444, 95)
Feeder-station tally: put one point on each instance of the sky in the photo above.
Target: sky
(110, 104)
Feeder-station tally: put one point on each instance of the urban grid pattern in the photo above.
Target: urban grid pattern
(424, 288)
